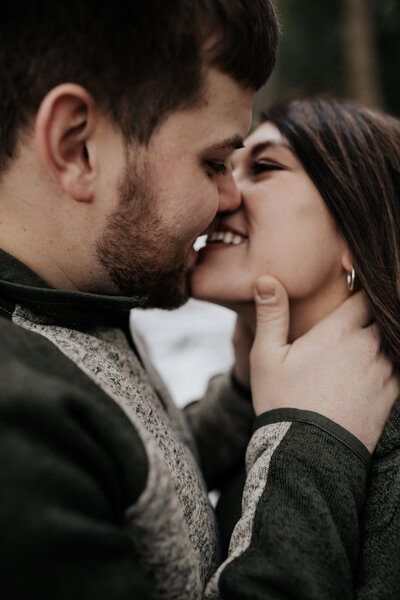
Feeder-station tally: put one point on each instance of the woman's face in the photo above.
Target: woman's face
(282, 228)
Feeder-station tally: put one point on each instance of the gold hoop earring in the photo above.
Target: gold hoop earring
(351, 277)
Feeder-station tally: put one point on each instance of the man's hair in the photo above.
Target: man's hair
(352, 154)
(140, 59)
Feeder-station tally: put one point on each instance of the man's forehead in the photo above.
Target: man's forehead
(220, 124)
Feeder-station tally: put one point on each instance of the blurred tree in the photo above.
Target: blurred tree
(344, 48)
(386, 19)
(363, 83)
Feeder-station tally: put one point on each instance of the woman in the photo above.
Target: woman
(320, 184)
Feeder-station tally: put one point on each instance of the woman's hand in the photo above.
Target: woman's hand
(336, 369)
(242, 340)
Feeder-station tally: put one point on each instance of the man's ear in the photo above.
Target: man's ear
(64, 124)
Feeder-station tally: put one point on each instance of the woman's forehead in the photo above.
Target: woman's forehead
(265, 135)
(266, 131)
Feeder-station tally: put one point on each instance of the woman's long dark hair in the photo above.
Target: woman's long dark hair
(352, 154)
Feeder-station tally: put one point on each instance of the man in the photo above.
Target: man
(117, 123)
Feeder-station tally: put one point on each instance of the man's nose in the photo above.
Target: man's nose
(229, 193)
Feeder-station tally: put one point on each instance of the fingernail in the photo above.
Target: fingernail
(265, 290)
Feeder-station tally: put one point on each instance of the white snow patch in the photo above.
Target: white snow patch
(188, 345)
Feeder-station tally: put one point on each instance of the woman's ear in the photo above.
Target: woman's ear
(347, 262)
(64, 124)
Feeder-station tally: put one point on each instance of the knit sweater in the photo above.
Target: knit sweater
(378, 575)
(104, 481)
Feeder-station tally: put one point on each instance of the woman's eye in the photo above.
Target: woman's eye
(216, 168)
(263, 167)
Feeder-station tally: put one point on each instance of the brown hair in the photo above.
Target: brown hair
(352, 154)
(140, 59)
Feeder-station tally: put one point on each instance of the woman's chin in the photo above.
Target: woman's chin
(200, 294)
(207, 294)
(226, 298)
(216, 288)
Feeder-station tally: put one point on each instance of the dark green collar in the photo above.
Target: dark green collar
(20, 285)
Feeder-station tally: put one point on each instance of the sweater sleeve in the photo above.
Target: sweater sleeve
(298, 536)
(221, 423)
(61, 502)
(379, 566)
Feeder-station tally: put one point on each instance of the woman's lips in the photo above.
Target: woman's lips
(225, 238)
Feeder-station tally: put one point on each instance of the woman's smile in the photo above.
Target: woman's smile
(225, 237)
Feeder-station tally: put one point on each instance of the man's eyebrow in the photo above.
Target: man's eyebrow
(232, 143)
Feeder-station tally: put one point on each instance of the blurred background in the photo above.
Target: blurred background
(341, 48)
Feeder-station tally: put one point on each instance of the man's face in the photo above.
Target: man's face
(169, 192)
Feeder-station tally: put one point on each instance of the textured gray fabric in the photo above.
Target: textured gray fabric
(258, 457)
(173, 519)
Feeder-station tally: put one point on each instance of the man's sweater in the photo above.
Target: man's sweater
(104, 482)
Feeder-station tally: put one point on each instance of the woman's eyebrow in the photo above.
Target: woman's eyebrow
(261, 146)
(257, 148)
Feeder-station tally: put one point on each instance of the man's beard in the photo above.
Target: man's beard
(141, 256)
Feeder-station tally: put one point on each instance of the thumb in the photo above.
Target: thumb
(272, 310)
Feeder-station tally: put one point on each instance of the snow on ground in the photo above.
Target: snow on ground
(188, 345)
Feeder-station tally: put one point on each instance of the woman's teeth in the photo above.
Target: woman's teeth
(226, 237)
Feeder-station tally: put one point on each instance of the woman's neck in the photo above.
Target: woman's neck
(304, 313)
